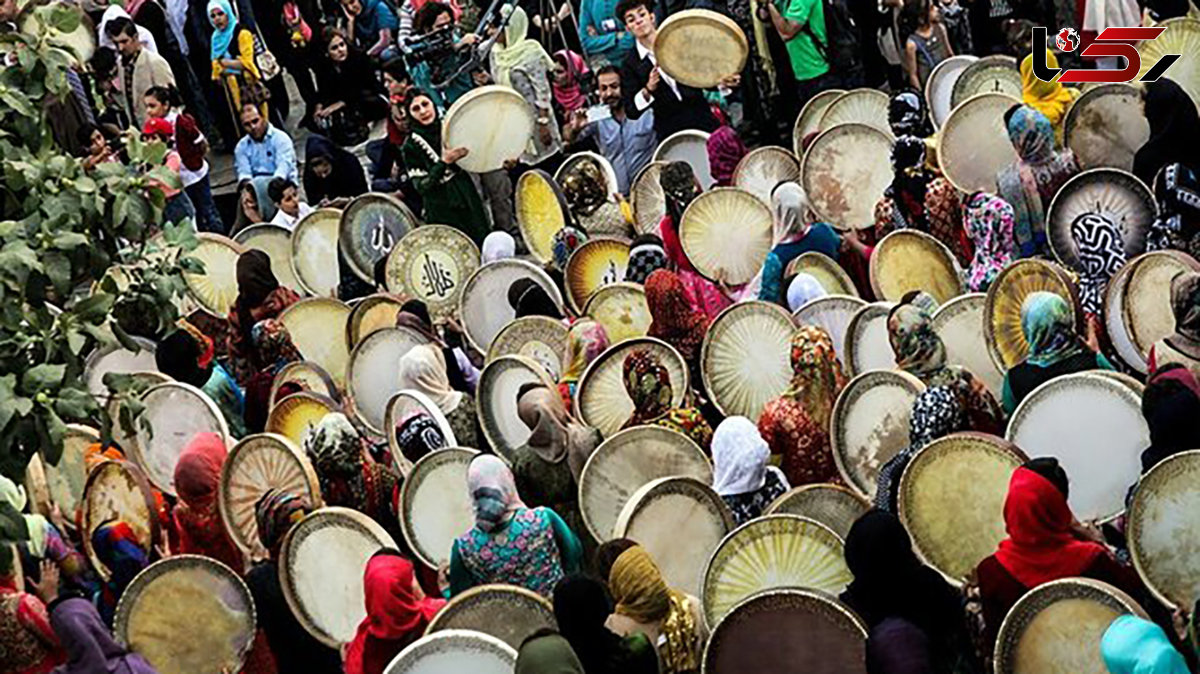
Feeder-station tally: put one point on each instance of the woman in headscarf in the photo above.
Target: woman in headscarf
(462, 373)
(1044, 543)
(186, 355)
(1177, 191)
(27, 640)
(273, 348)
(586, 340)
(1054, 348)
(741, 475)
(253, 206)
(1171, 405)
(1174, 129)
(890, 582)
(795, 234)
(417, 435)
(581, 606)
(118, 550)
(89, 645)
(645, 604)
(646, 256)
(330, 172)
(1183, 345)
(988, 221)
(1052, 99)
(1134, 645)
(680, 188)
(919, 199)
(569, 71)
(498, 246)
(1101, 256)
(259, 297)
(565, 242)
(295, 650)
(725, 150)
(796, 424)
(547, 467)
(397, 614)
(907, 115)
(423, 369)
(1030, 183)
(547, 652)
(521, 63)
(920, 352)
(349, 93)
(510, 543)
(648, 384)
(447, 192)
(528, 298)
(673, 320)
(198, 524)
(349, 477)
(803, 289)
(45, 540)
(233, 66)
(937, 411)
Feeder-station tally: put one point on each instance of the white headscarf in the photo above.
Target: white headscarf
(423, 369)
(739, 457)
(804, 289)
(114, 11)
(498, 246)
(789, 205)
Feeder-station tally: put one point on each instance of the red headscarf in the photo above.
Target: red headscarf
(725, 151)
(1040, 547)
(197, 517)
(395, 618)
(675, 320)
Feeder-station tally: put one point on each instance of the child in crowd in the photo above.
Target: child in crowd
(285, 195)
(192, 146)
(179, 206)
(927, 44)
(94, 147)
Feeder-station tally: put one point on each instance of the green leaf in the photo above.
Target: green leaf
(55, 430)
(58, 268)
(75, 404)
(64, 18)
(41, 377)
(8, 392)
(123, 337)
(69, 240)
(95, 308)
(192, 265)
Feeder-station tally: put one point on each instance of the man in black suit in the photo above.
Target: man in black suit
(644, 87)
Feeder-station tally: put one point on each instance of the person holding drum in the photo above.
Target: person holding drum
(1031, 182)
(424, 369)
(198, 521)
(1177, 227)
(521, 63)
(648, 384)
(741, 475)
(920, 199)
(397, 614)
(348, 475)
(1174, 130)
(581, 607)
(1171, 405)
(1183, 345)
(1054, 348)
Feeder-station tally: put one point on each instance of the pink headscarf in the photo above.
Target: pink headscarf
(571, 97)
(725, 150)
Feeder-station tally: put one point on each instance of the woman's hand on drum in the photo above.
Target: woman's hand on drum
(451, 155)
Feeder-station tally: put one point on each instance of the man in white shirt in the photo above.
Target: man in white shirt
(289, 208)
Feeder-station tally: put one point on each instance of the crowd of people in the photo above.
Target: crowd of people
(375, 80)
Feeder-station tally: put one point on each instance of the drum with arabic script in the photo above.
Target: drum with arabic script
(432, 264)
(371, 226)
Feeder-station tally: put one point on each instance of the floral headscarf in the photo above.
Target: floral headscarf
(1048, 327)
(937, 411)
(648, 384)
(336, 450)
(675, 320)
(988, 220)
(1029, 183)
(586, 340)
(910, 181)
(273, 345)
(817, 376)
(275, 513)
(919, 350)
(1101, 255)
(494, 492)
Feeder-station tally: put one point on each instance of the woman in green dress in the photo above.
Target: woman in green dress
(448, 193)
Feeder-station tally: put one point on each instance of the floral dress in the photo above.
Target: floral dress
(943, 212)
(746, 507)
(534, 550)
(807, 457)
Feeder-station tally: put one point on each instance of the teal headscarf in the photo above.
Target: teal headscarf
(1049, 329)
(221, 39)
(1132, 645)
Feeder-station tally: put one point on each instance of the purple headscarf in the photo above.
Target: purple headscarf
(725, 150)
(89, 645)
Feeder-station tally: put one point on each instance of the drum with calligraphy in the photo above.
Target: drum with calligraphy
(431, 263)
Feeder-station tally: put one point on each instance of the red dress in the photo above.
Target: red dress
(803, 444)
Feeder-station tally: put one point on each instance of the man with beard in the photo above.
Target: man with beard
(628, 144)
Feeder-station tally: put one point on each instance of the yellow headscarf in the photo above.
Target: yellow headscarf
(641, 593)
(1052, 99)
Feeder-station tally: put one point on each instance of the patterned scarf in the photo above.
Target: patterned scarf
(1177, 191)
(336, 450)
(275, 513)
(644, 260)
(988, 220)
(675, 321)
(273, 345)
(725, 151)
(648, 384)
(907, 116)
(817, 375)
(494, 491)
(919, 350)
(1029, 183)
(1101, 254)
(909, 183)
(1049, 329)
(586, 340)
(937, 412)
(566, 241)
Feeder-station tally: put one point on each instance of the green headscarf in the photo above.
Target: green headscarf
(548, 653)
(1049, 328)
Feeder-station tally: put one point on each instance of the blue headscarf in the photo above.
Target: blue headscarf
(1132, 645)
(222, 38)
(1049, 328)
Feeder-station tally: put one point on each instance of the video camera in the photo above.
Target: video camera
(435, 45)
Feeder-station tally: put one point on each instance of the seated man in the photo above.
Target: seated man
(265, 152)
(628, 144)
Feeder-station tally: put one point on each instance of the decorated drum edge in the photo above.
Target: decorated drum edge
(222, 240)
(707, 343)
(781, 501)
(995, 441)
(121, 616)
(631, 345)
(367, 275)
(989, 307)
(554, 292)
(1134, 525)
(302, 616)
(873, 264)
(712, 557)
(136, 450)
(143, 486)
(848, 346)
(492, 436)
(578, 308)
(1083, 177)
(406, 499)
(633, 506)
(315, 368)
(365, 304)
(1190, 266)
(1113, 311)
(839, 408)
(435, 625)
(310, 477)
(1039, 598)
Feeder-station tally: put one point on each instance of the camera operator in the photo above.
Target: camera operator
(441, 52)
